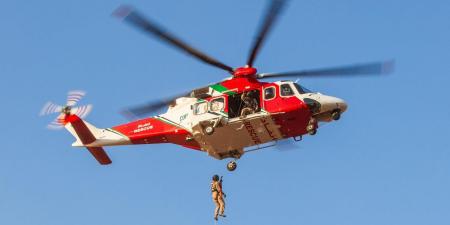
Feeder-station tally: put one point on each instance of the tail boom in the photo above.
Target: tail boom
(145, 131)
(93, 138)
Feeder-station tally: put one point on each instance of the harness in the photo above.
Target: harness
(214, 187)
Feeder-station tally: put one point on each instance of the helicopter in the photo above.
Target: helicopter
(225, 119)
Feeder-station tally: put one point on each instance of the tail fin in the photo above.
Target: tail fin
(84, 133)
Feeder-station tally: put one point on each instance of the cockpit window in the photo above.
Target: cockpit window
(301, 89)
(286, 90)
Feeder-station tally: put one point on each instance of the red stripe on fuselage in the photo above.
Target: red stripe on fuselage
(152, 131)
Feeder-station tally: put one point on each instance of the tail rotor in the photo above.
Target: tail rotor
(73, 97)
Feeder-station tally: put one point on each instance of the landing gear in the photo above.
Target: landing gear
(231, 166)
(312, 127)
(312, 132)
(336, 115)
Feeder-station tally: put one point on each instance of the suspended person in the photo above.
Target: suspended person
(218, 196)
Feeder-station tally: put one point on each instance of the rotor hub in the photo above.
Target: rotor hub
(245, 72)
(66, 110)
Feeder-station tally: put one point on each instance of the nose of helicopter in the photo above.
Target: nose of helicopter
(330, 103)
(333, 107)
(326, 107)
(333, 104)
(341, 104)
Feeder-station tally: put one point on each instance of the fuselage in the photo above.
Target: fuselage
(213, 119)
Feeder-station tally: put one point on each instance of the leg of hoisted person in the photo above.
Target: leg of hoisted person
(215, 197)
(222, 206)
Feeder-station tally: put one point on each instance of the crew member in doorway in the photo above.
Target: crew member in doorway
(250, 104)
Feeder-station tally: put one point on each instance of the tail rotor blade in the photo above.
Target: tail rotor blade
(81, 111)
(57, 123)
(50, 108)
(74, 96)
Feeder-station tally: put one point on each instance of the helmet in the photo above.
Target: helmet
(215, 177)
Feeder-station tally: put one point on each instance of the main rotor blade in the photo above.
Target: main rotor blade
(133, 17)
(352, 70)
(150, 107)
(153, 106)
(271, 15)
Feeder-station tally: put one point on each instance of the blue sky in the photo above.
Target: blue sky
(387, 161)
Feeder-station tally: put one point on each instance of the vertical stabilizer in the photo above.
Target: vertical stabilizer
(84, 133)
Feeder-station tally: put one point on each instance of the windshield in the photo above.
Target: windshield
(301, 89)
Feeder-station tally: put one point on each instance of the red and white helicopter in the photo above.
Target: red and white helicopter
(225, 119)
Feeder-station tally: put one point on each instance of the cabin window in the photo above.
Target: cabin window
(286, 90)
(217, 105)
(200, 108)
(269, 93)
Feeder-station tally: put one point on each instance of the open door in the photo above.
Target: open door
(244, 103)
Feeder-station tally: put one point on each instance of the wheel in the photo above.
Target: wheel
(209, 130)
(231, 166)
(336, 115)
(310, 127)
(312, 132)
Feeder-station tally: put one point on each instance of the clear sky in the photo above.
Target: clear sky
(387, 161)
